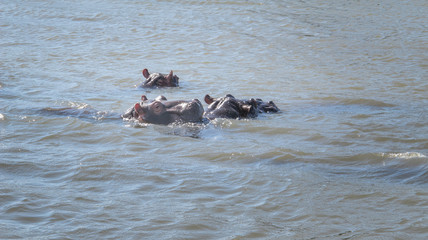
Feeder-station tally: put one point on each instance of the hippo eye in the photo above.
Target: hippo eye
(157, 106)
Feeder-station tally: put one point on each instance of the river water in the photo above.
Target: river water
(345, 159)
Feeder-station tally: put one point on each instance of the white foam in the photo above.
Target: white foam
(406, 155)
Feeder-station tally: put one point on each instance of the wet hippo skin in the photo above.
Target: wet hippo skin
(158, 80)
(162, 111)
(230, 107)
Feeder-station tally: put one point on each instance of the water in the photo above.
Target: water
(345, 159)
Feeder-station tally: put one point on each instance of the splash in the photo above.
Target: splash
(78, 105)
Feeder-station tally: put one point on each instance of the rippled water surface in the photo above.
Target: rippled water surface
(345, 159)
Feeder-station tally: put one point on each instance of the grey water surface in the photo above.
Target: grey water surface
(346, 158)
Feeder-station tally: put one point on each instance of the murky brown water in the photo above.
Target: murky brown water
(345, 159)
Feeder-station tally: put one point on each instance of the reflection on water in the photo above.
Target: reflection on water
(345, 159)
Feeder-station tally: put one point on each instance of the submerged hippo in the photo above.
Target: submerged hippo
(266, 107)
(230, 107)
(162, 111)
(155, 80)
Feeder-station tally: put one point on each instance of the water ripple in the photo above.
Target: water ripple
(345, 158)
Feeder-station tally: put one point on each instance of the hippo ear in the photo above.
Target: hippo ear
(253, 102)
(160, 98)
(248, 110)
(208, 99)
(146, 73)
(144, 98)
(169, 77)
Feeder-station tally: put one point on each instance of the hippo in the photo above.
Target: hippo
(162, 111)
(157, 80)
(230, 107)
(266, 107)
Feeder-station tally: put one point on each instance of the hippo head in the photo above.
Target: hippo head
(266, 107)
(230, 107)
(161, 111)
(159, 80)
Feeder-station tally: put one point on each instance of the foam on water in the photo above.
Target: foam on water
(406, 155)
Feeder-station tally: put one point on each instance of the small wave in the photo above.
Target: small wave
(404, 167)
(405, 155)
(97, 17)
(15, 150)
(80, 110)
(355, 101)
(66, 111)
(193, 130)
(76, 105)
(366, 102)
(9, 44)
